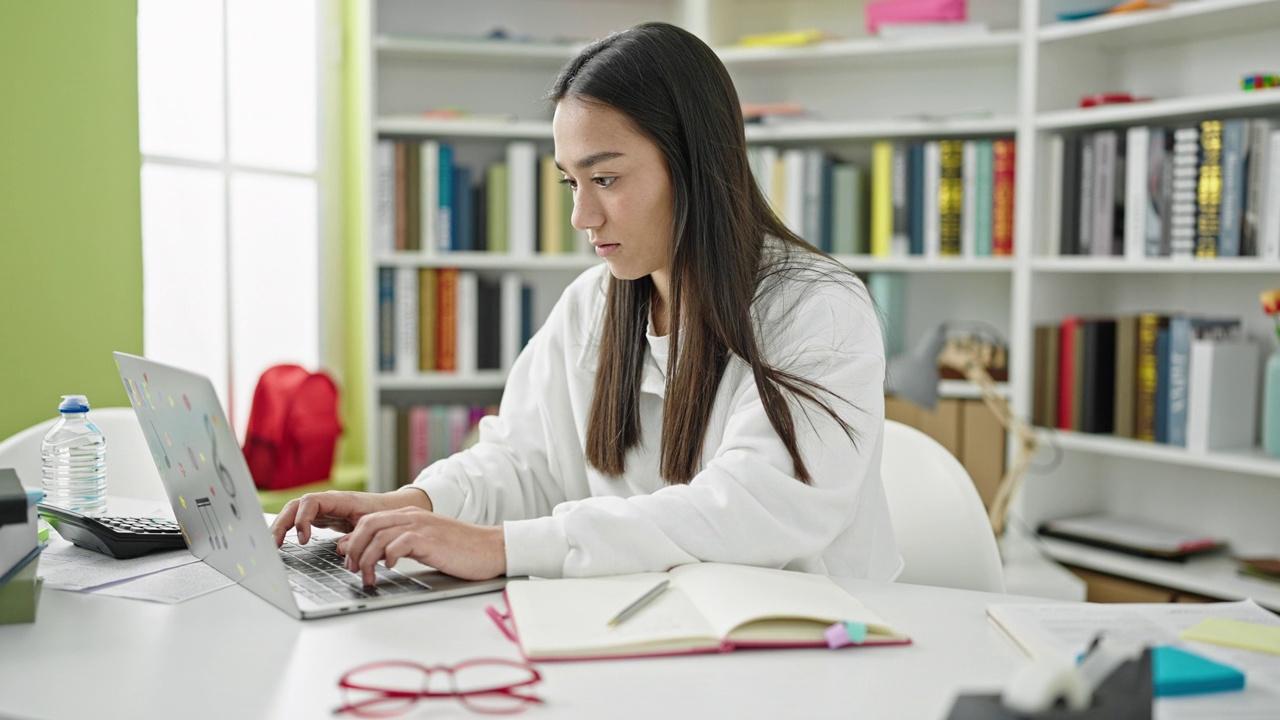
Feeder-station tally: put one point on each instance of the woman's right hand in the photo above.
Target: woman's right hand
(340, 510)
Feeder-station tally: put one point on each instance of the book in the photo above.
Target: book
(1131, 536)
(17, 520)
(708, 607)
(1222, 394)
(882, 199)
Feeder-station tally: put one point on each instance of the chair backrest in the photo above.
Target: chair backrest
(131, 472)
(939, 520)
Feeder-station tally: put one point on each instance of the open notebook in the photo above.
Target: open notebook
(708, 607)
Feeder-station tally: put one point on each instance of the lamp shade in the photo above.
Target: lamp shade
(913, 375)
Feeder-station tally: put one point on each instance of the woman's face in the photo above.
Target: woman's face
(622, 194)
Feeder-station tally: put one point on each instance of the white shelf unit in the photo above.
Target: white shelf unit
(1023, 79)
(1189, 58)
(943, 87)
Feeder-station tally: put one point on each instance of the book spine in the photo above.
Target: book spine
(1231, 205)
(1162, 384)
(1156, 190)
(1137, 145)
(900, 242)
(386, 319)
(522, 184)
(1179, 361)
(984, 198)
(419, 444)
(1209, 189)
(915, 199)
(1145, 405)
(1269, 245)
(402, 207)
(448, 194)
(969, 197)
(842, 210)
(1005, 162)
(406, 321)
(488, 323)
(1066, 371)
(950, 197)
(1255, 186)
(1126, 370)
(932, 183)
(1069, 196)
(882, 199)
(467, 324)
(510, 319)
(1182, 193)
(384, 200)
(428, 316)
(1084, 227)
(550, 234)
(793, 167)
(464, 210)
(496, 188)
(826, 208)
(1104, 173)
(814, 160)
(429, 196)
(447, 323)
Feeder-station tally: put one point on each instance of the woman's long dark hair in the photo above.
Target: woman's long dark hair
(676, 91)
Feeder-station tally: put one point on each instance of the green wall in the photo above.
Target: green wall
(70, 227)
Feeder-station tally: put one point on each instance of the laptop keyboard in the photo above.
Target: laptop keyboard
(316, 571)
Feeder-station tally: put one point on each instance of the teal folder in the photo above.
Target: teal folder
(1178, 672)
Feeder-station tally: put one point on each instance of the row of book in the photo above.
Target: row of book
(1204, 190)
(450, 320)
(937, 198)
(427, 202)
(414, 436)
(1175, 379)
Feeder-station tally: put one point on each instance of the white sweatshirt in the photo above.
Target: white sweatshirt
(563, 518)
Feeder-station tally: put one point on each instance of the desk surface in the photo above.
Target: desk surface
(231, 655)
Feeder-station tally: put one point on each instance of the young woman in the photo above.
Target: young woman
(712, 392)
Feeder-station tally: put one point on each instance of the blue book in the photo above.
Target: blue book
(983, 186)
(915, 199)
(1179, 374)
(1178, 672)
(889, 291)
(1162, 385)
(386, 319)
(1231, 203)
(463, 217)
(444, 218)
(828, 242)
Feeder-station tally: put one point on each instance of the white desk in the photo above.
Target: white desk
(231, 655)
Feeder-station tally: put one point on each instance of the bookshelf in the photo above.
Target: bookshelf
(1022, 80)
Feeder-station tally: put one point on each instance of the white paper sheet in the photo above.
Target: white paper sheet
(1066, 629)
(67, 567)
(170, 586)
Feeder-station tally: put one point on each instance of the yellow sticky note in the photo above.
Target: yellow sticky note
(1235, 633)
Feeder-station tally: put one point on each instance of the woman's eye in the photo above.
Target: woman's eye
(566, 181)
(604, 182)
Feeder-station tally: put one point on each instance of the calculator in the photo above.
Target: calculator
(119, 537)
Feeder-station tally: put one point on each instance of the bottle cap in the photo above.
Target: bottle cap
(74, 404)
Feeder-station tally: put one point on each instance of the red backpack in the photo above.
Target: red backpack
(293, 428)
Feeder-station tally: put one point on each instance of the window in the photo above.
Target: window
(229, 128)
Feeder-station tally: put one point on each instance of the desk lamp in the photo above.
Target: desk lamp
(913, 376)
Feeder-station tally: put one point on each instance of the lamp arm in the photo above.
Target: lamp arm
(968, 362)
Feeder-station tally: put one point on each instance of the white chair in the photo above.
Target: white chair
(131, 472)
(940, 523)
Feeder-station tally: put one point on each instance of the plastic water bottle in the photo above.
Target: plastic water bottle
(73, 458)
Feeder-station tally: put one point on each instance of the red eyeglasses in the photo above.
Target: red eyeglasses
(487, 685)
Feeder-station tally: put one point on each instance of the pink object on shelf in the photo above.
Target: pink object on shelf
(915, 11)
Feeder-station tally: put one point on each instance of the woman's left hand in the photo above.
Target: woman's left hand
(471, 552)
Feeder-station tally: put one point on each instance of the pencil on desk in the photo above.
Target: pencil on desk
(639, 602)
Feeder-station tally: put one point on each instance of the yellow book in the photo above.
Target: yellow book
(427, 318)
(786, 38)
(705, 607)
(551, 225)
(882, 199)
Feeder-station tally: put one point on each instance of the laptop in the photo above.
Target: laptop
(216, 503)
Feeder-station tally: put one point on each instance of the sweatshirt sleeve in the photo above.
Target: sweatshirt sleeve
(746, 506)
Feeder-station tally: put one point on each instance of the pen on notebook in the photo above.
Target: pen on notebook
(639, 602)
